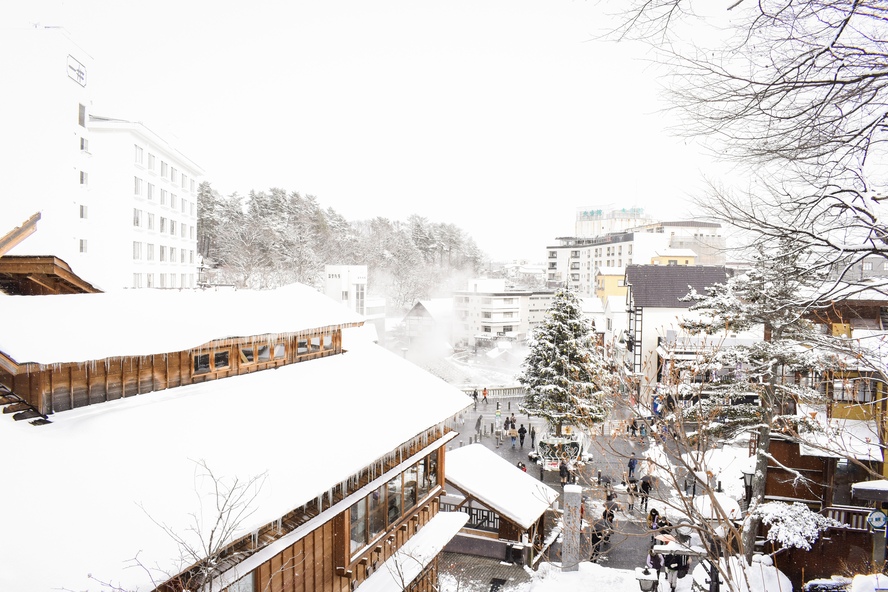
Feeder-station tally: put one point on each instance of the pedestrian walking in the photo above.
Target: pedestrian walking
(522, 432)
(632, 493)
(633, 462)
(633, 427)
(645, 493)
(484, 395)
(672, 563)
(513, 435)
(563, 472)
(475, 398)
(478, 423)
(655, 561)
(533, 437)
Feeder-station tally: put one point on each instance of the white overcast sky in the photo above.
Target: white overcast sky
(501, 116)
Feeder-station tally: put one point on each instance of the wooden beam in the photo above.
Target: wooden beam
(18, 234)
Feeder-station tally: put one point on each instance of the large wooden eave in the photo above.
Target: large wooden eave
(8, 364)
(44, 274)
(18, 234)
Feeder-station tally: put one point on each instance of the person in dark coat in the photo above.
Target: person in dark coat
(522, 432)
(672, 563)
(533, 437)
(633, 462)
(655, 561)
(646, 486)
(563, 472)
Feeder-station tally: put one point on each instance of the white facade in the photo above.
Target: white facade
(80, 172)
(347, 284)
(45, 153)
(488, 310)
(143, 194)
(574, 262)
(600, 220)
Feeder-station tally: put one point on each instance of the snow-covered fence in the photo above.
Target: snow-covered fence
(497, 392)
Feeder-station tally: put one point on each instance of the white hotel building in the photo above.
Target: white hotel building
(117, 219)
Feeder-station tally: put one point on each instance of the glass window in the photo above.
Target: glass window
(410, 493)
(137, 250)
(163, 168)
(220, 359)
(376, 511)
(247, 356)
(201, 361)
(328, 342)
(139, 154)
(81, 115)
(433, 470)
(315, 344)
(150, 161)
(83, 245)
(245, 584)
(301, 345)
(150, 221)
(137, 217)
(137, 186)
(422, 479)
(279, 351)
(149, 251)
(83, 212)
(264, 353)
(394, 503)
(358, 529)
(150, 193)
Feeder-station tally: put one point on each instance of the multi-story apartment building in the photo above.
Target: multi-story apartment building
(151, 238)
(488, 310)
(117, 202)
(575, 261)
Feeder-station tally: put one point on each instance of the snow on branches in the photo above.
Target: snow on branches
(793, 525)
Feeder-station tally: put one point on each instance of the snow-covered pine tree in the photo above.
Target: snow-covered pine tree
(567, 377)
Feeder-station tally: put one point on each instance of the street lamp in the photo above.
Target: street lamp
(747, 482)
(647, 580)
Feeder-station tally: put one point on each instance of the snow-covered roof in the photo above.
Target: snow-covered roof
(84, 327)
(440, 309)
(611, 271)
(91, 487)
(408, 562)
(844, 437)
(503, 487)
(676, 252)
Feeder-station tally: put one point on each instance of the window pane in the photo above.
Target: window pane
(220, 359)
(279, 351)
(422, 482)
(358, 528)
(315, 344)
(264, 353)
(376, 501)
(247, 355)
(393, 500)
(301, 346)
(410, 487)
(328, 342)
(201, 363)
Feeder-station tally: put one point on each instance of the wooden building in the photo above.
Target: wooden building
(505, 506)
(162, 411)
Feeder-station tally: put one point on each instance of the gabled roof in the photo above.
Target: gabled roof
(661, 286)
(40, 275)
(498, 484)
(84, 327)
(92, 489)
(439, 309)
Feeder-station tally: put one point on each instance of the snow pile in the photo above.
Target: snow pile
(590, 576)
(793, 525)
(870, 583)
(761, 576)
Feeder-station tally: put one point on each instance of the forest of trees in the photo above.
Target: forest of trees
(271, 238)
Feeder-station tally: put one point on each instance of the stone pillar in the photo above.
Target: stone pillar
(572, 528)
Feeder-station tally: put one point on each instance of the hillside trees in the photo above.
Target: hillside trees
(566, 376)
(270, 238)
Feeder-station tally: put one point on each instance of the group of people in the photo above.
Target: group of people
(483, 396)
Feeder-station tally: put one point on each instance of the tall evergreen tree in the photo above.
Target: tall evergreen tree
(568, 380)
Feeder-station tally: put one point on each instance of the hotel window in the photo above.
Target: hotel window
(137, 186)
(191, 187)
(83, 245)
(81, 115)
(191, 232)
(172, 280)
(163, 224)
(139, 155)
(174, 201)
(84, 178)
(149, 251)
(150, 162)
(181, 255)
(191, 208)
(867, 266)
(163, 197)
(184, 206)
(174, 175)
(163, 257)
(137, 280)
(84, 145)
(210, 362)
(83, 212)
(173, 227)
(172, 254)
(164, 168)
(184, 181)
(393, 494)
(137, 250)
(150, 221)
(162, 277)
(149, 280)
(150, 194)
(182, 228)
(137, 217)
(191, 256)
